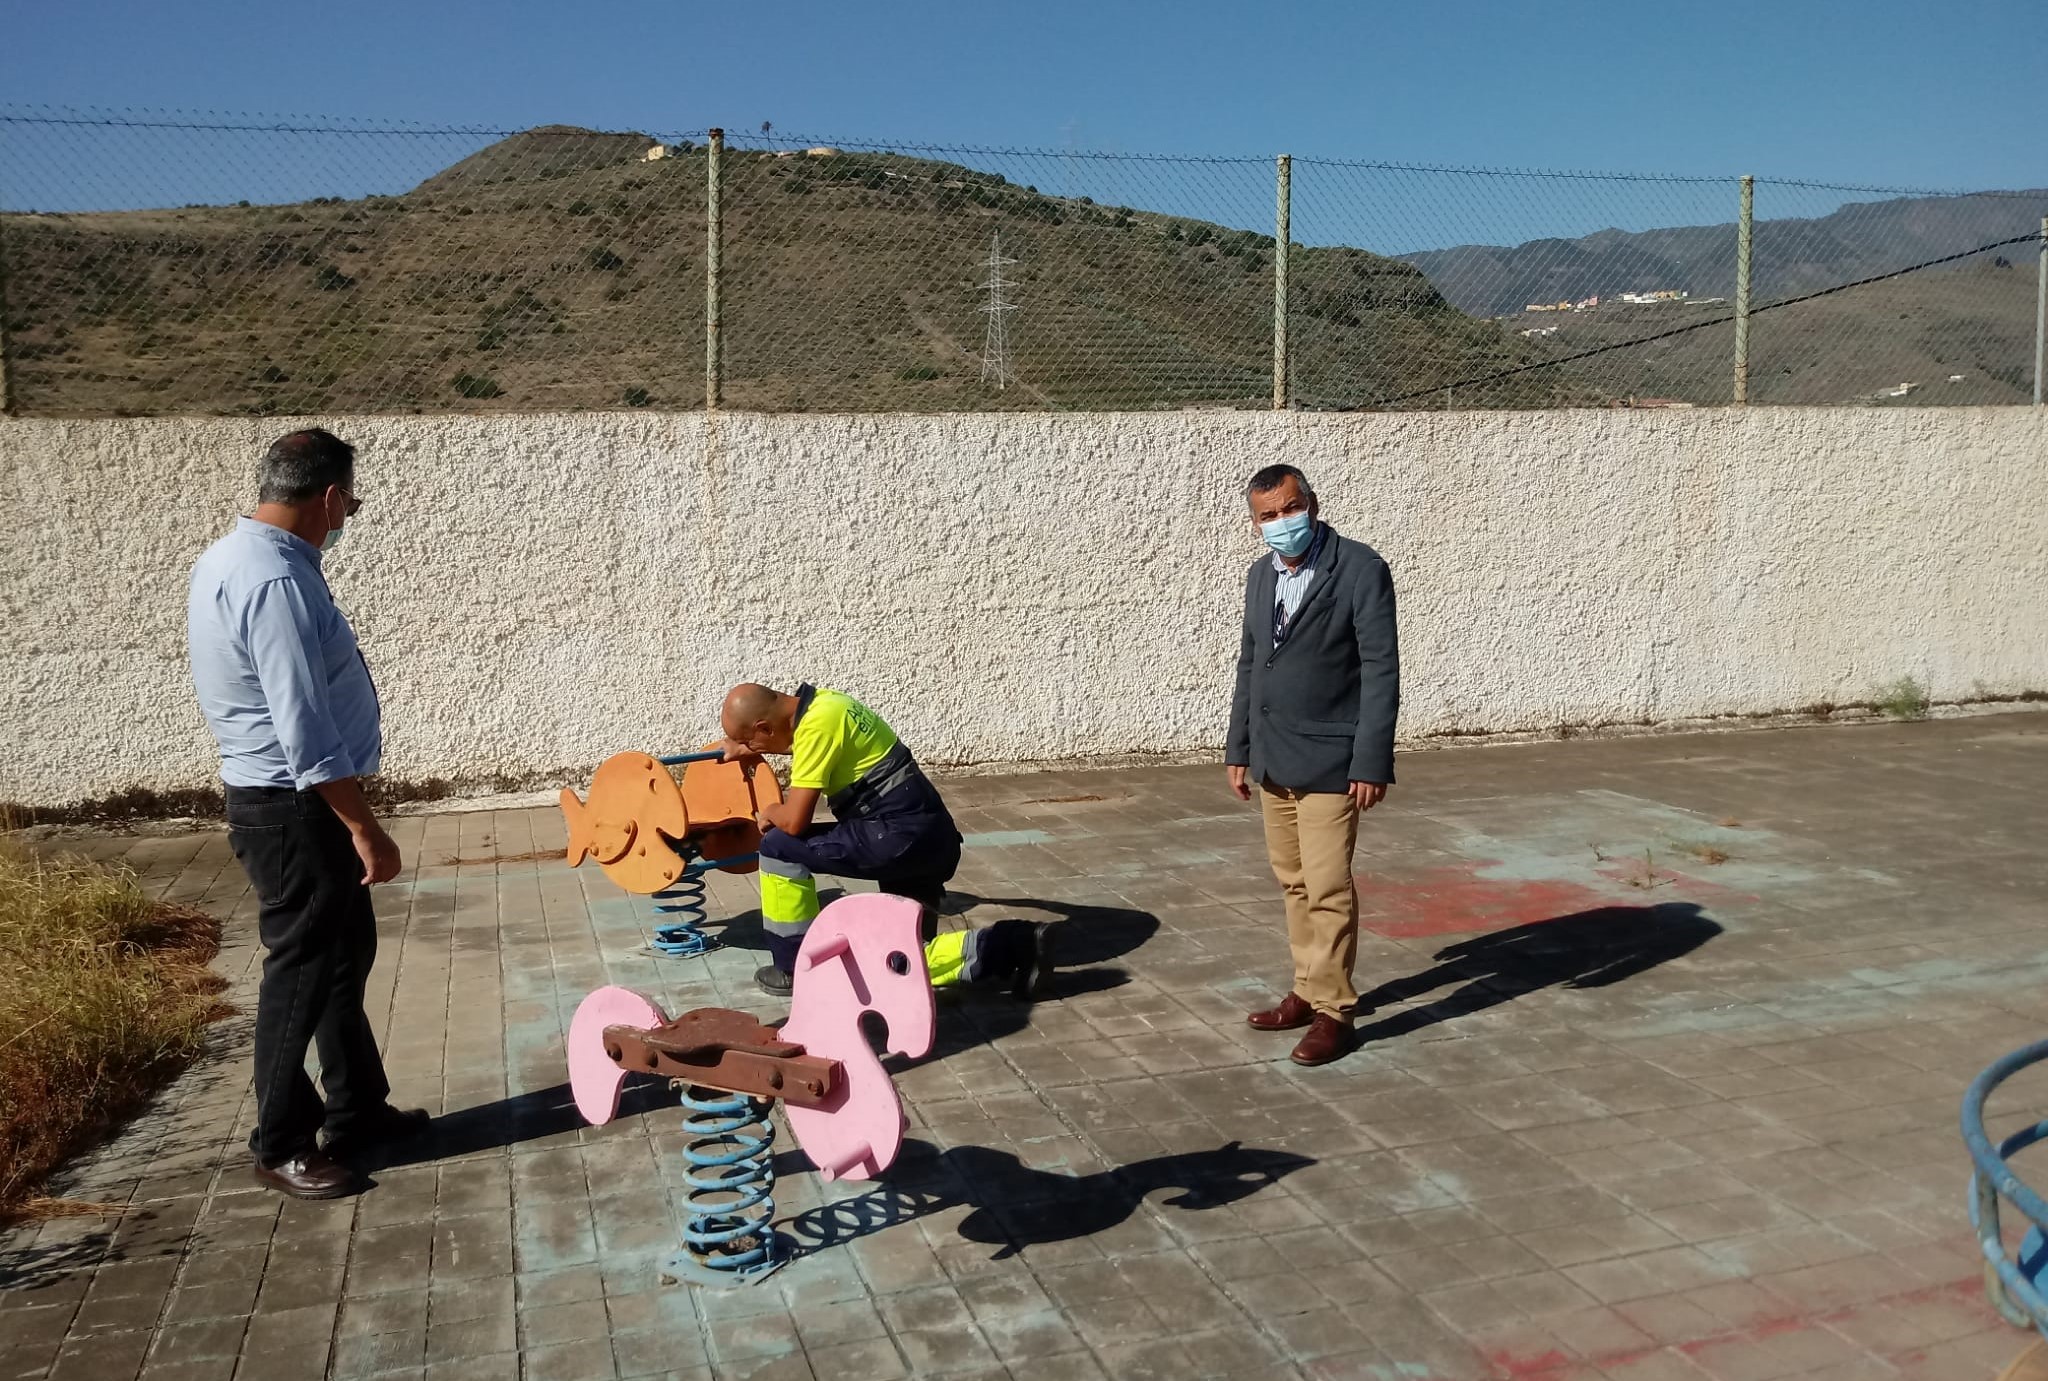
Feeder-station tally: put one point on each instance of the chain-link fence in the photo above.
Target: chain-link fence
(179, 263)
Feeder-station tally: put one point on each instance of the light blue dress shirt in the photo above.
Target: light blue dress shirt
(280, 679)
(1290, 584)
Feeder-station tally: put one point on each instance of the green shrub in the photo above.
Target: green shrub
(1904, 698)
(477, 386)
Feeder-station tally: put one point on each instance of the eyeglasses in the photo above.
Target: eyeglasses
(355, 505)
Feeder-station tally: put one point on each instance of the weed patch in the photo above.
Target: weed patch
(1904, 698)
(105, 995)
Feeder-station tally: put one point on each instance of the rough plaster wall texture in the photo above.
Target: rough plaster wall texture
(537, 592)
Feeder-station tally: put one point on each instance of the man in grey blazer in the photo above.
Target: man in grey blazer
(1312, 727)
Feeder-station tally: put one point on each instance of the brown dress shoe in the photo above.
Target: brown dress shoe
(309, 1176)
(1292, 1014)
(1328, 1038)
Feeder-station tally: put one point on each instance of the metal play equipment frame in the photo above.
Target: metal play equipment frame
(861, 955)
(2018, 1285)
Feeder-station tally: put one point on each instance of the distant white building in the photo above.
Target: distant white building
(655, 154)
(1659, 295)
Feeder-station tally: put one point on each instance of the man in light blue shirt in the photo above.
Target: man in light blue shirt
(289, 699)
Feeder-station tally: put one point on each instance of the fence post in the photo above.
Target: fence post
(1282, 207)
(714, 366)
(1744, 228)
(6, 379)
(2041, 313)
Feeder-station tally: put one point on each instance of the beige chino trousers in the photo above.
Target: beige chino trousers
(1309, 839)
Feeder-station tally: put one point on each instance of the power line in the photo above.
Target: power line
(1476, 380)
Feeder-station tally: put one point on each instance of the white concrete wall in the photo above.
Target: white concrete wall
(537, 592)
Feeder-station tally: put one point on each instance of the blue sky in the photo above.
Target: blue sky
(1929, 94)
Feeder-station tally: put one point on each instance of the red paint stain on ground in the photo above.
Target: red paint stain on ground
(1553, 1365)
(1456, 900)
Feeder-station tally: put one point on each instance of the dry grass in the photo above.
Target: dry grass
(104, 995)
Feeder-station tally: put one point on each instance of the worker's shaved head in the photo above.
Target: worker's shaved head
(758, 716)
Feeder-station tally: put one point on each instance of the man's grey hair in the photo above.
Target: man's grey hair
(304, 465)
(1271, 478)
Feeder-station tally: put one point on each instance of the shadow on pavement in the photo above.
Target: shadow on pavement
(1587, 949)
(510, 1121)
(44, 1265)
(1015, 1206)
(1084, 938)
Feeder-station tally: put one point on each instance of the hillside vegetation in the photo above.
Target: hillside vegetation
(557, 269)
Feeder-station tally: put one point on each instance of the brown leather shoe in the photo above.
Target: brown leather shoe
(1328, 1038)
(309, 1176)
(1292, 1014)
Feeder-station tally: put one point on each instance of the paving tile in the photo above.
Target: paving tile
(569, 1362)
(101, 1357)
(1736, 1160)
(204, 1369)
(198, 1342)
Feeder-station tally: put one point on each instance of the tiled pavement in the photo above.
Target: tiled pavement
(1661, 1083)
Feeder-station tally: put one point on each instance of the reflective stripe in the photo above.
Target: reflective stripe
(896, 769)
(946, 958)
(787, 901)
(783, 868)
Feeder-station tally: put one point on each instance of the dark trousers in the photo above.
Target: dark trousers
(912, 855)
(320, 938)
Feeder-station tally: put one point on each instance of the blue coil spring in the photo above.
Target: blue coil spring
(728, 1238)
(679, 912)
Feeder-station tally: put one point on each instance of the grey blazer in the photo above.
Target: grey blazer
(1317, 713)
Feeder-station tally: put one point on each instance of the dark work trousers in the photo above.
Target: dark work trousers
(912, 854)
(321, 938)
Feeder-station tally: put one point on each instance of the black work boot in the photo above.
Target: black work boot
(1014, 951)
(773, 981)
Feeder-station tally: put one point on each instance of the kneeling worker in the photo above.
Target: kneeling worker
(891, 826)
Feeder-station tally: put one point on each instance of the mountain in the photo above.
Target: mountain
(1975, 321)
(559, 268)
(1788, 257)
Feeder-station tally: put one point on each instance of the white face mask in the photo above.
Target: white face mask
(333, 536)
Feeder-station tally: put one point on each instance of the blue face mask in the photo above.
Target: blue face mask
(1291, 535)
